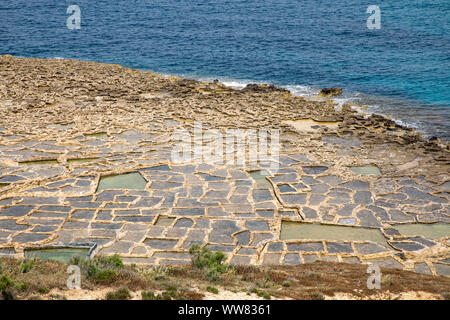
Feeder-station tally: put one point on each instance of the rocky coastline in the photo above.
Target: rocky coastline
(65, 124)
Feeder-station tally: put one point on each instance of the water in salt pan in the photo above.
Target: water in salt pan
(366, 170)
(307, 231)
(164, 221)
(132, 180)
(39, 162)
(81, 160)
(58, 254)
(259, 177)
(99, 135)
(431, 231)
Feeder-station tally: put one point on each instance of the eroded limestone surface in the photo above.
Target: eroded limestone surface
(66, 127)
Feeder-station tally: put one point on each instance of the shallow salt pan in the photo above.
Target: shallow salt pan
(164, 221)
(308, 231)
(58, 254)
(259, 177)
(366, 170)
(39, 162)
(431, 231)
(309, 125)
(132, 180)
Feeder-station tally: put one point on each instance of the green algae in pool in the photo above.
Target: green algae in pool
(99, 135)
(132, 180)
(39, 162)
(431, 231)
(81, 160)
(366, 170)
(58, 254)
(164, 221)
(260, 178)
(308, 231)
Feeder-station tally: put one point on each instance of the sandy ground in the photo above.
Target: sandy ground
(410, 295)
(84, 294)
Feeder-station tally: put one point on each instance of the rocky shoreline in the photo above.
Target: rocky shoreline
(87, 120)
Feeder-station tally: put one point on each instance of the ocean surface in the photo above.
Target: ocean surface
(401, 69)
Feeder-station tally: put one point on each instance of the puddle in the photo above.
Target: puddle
(100, 135)
(309, 125)
(39, 162)
(366, 170)
(62, 127)
(132, 180)
(431, 231)
(164, 221)
(314, 170)
(349, 141)
(58, 254)
(81, 160)
(170, 123)
(260, 178)
(133, 137)
(308, 231)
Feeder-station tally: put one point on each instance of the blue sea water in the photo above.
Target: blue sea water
(402, 69)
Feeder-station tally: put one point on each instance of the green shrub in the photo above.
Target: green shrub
(104, 276)
(6, 282)
(7, 287)
(170, 287)
(120, 294)
(316, 296)
(168, 295)
(101, 269)
(286, 284)
(22, 286)
(149, 295)
(212, 289)
(26, 265)
(210, 263)
(165, 295)
(43, 290)
(114, 260)
(261, 293)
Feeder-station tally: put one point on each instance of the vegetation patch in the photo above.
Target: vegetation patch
(101, 269)
(211, 264)
(212, 289)
(47, 280)
(261, 293)
(317, 296)
(119, 294)
(26, 265)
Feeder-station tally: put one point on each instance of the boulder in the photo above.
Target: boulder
(330, 92)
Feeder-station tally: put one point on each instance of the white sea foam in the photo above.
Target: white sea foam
(303, 91)
(235, 84)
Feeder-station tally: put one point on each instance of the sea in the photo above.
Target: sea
(392, 56)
